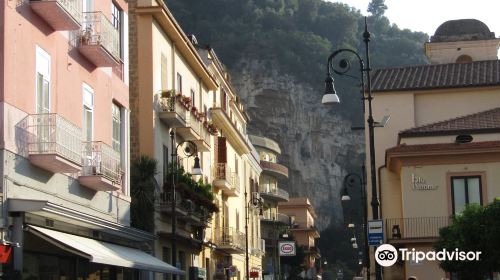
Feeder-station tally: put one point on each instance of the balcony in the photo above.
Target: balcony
(54, 143)
(274, 169)
(196, 132)
(400, 230)
(225, 179)
(273, 217)
(233, 135)
(99, 40)
(230, 240)
(101, 167)
(182, 206)
(306, 227)
(59, 14)
(260, 249)
(273, 193)
(172, 113)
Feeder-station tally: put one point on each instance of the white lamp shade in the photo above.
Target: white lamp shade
(350, 225)
(346, 198)
(353, 239)
(330, 98)
(355, 245)
(196, 171)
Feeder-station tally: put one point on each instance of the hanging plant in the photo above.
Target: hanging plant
(212, 129)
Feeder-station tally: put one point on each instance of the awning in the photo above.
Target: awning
(103, 252)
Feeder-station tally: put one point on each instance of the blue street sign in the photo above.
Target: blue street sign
(375, 232)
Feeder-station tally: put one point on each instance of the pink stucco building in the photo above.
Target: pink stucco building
(64, 141)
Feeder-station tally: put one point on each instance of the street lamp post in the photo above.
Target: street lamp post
(190, 150)
(349, 181)
(256, 202)
(332, 97)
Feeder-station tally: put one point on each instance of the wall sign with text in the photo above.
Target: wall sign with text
(419, 184)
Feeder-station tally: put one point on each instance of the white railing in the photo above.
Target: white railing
(221, 171)
(53, 134)
(100, 159)
(98, 30)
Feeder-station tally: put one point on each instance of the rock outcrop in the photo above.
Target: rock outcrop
(317, 142)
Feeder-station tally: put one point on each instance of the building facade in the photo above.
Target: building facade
(273, 223)
(64, 142)
(235, 231)
(439, 151)
(181, 90)
(304, 230)
(169, 98)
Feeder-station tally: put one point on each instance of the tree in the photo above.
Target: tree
(377, 8)
(476, 229)
(142, 191)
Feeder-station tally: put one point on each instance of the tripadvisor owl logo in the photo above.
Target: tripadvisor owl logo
(386, 255)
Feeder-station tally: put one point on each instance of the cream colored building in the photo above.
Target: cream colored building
(273, 223)
(170, 90)
(440, 149)
(235, 174)
(177, 85)
(303, 229)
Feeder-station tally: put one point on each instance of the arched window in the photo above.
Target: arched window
(464, 59)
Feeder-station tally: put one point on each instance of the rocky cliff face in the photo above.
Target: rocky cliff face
(317, 142)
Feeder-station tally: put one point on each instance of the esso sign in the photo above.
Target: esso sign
(287, 248)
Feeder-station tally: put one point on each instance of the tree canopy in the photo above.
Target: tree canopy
(477, 228)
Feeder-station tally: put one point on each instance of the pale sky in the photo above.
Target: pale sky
(427, 15)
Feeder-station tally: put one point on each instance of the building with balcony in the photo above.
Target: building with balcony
(170, 91)
(64, 144)
(440, 150)
(273, 223)
(303, 229)
(235, 171)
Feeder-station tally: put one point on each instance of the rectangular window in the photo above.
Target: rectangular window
(165, 162)
(42, 81)
(117, 131)
(182, 262)
(116, 20)
(236, 163)
(179, 83)
(164, 74)
(167, 257)
(465, 190)
(88, 112)
(193, 98)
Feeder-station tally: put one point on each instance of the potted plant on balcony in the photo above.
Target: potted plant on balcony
(212, 129)
(186, 102)
(168, 93)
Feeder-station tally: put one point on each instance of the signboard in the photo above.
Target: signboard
(233, 270)
(419, 184)
(254, 274)
(287, 248)
(375, 232)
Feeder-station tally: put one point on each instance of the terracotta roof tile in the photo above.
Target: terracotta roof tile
(454, 75)
(403, 148)
(482, 122)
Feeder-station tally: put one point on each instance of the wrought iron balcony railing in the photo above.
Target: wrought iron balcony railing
(99, 31)
(52, 134)
(60, 14)
(273, 190)
(221, 171)
(172, 104)
(100, 159)
(230, 237)
(414, 228)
